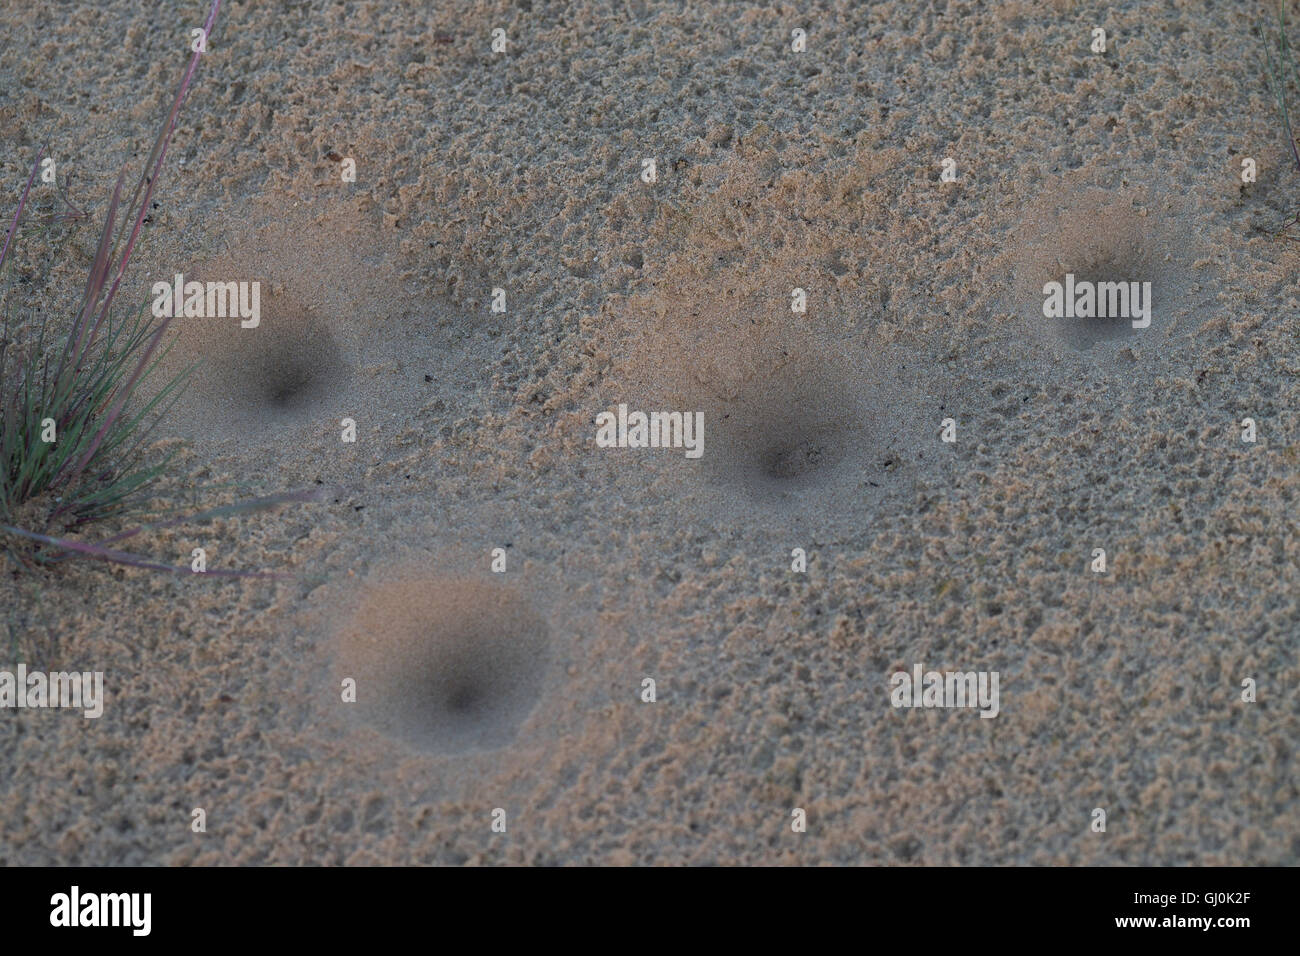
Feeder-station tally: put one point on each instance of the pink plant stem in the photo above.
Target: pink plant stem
(13, 227)
(151, 177)
(149, 180)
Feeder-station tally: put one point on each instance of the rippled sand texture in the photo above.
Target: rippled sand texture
(523, 690)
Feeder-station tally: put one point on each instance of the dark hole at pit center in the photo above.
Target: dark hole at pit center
(295, 366)
(1084, 333)
(290, 387)
(786, 461)
(465, 699)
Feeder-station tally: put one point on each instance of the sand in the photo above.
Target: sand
(523, 690)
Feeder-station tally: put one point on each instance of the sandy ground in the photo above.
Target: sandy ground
(818, 170)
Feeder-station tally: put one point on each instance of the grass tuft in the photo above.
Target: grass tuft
(1282, 75)
(72, 438)
(1280, 69)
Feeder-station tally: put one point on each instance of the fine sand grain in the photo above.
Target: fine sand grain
(524, 689)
